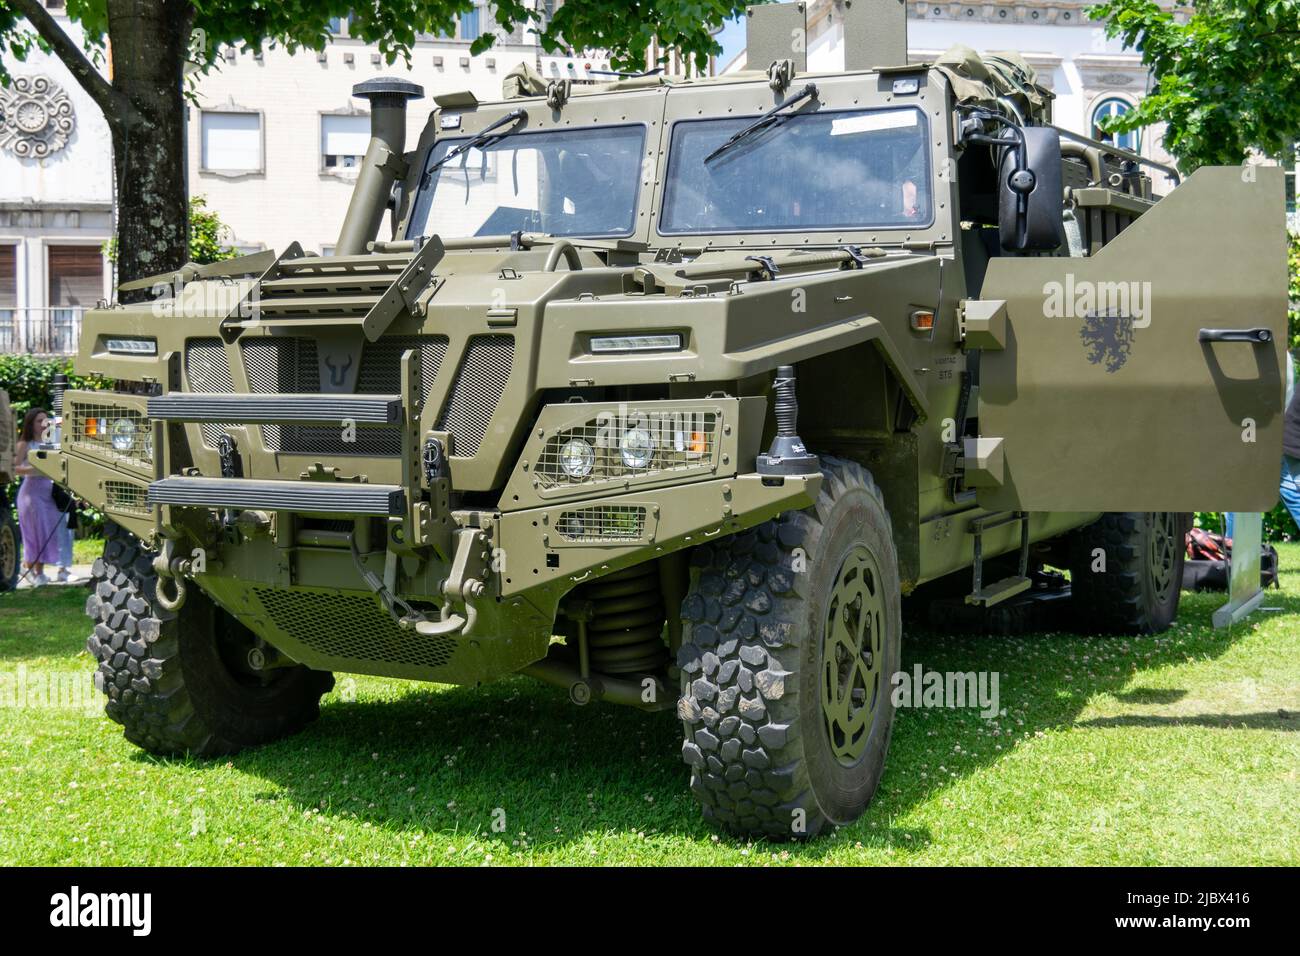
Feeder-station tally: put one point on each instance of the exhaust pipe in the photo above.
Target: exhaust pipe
(387, 96)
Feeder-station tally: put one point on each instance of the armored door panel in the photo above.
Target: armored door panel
(1150, 376)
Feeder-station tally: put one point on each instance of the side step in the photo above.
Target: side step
(276, 409)
(999, 591)
(983, 595)
(312, 497)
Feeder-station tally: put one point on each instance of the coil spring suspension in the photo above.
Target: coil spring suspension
(624, 633)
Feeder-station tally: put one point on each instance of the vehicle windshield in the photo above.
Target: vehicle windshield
(808, 171)
(572, 182)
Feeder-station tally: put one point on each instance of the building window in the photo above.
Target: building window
(1114, 106)
(470, 28)
(76, 281)
(8, 297)
(76, 276)
(231, 142)
(343, 140)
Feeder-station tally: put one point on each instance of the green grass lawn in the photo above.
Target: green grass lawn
(1178, 749)
(86, 550)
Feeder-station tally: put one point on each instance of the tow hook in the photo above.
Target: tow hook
(170, 567)
(450, 622)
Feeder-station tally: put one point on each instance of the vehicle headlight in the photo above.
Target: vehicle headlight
(577, 458)
(638, 448)
(122, 434)
(571, 526)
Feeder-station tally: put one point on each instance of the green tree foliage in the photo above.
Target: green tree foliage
(27, 380)
(1293, 306)
(1227, 81)
(207, 236)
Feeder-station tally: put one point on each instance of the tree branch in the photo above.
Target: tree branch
(115, 105)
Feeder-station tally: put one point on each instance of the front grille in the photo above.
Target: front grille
(207, 368)
(381, 363)
(286, 364)
(126, 496)
(352, 627)
(612, 446)
(477, 389)
(602, 523)
(93, 426)
(282, 365)
(290, 364)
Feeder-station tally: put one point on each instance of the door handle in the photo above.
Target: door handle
(1254, 336)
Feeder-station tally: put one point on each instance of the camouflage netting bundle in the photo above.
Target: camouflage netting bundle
(984, 80)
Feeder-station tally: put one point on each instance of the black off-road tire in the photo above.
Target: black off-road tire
(1139, 588)
(756, 736)
(172, 679)
(10, 547)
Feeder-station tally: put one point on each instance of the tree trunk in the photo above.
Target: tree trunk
(149, 44)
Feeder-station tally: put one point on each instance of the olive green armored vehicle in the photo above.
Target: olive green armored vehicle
(667, 392)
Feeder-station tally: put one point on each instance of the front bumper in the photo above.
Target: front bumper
(504, 570)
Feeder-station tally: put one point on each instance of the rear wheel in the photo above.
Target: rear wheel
(790, 634)
(10, 558)
(1126, 571)
(183, 682)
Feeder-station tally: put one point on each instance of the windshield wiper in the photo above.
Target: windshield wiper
(764, 121)
(487, 136)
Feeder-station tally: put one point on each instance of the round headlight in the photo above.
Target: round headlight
(638, 448)
(577, 458)
(122, 434)
(571, 527)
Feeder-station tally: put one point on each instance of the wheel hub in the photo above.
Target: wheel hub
(1162, 551)
(8, 552)
(852, 642)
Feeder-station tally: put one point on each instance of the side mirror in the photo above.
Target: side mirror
(1030, 193)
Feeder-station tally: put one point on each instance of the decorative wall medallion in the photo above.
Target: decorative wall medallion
(36, 117)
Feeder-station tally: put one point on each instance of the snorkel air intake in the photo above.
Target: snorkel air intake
(383, 161)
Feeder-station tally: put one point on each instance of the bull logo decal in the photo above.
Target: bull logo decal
(338, 373)
(1107, 339)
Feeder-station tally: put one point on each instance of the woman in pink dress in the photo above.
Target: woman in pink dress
(38, 516)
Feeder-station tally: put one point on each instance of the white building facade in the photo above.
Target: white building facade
(274, 139)
(272, 144)
(56, 206)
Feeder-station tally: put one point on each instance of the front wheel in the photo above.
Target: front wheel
(791, 632)
(182, 682)
(1126, 571)
(10, 552)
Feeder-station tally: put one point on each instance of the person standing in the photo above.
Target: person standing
(38, 516)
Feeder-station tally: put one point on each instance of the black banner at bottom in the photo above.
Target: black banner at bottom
(335, 906)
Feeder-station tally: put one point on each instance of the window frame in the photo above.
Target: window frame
(1105, 100)
(229, 110)
(426, 156)
(800, 230)
(342, 172)
(17, 246)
